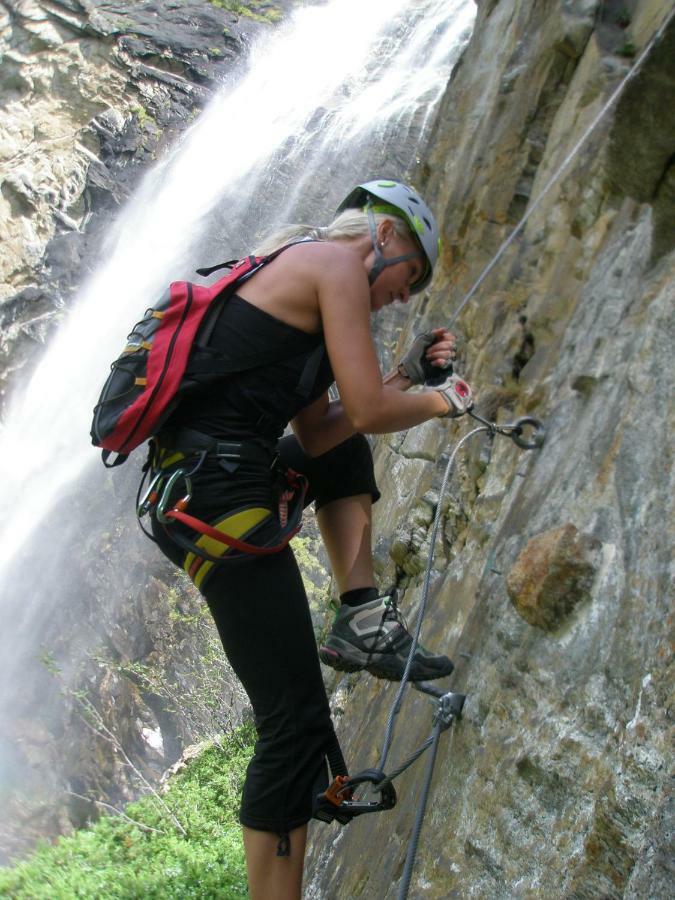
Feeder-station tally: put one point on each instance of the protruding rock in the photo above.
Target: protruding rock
(552, 574)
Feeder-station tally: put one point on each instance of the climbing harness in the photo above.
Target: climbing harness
(170, 472)
(338, 802)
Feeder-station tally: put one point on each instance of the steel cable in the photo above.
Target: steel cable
(396, 705)
(561, 168)
(419, 817)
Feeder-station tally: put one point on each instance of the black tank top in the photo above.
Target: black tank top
(260, 401)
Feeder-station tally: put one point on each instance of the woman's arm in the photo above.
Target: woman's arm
(324, 424)
(371, 406)
(321, 426)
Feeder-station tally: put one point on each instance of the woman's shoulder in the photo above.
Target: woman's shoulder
(319, 254)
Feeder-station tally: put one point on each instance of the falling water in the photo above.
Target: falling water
(345, 91)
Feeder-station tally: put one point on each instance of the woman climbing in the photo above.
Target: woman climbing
(305, 319)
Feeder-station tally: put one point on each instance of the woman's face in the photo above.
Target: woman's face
(393, 283)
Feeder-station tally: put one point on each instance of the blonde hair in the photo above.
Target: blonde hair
(348, 224)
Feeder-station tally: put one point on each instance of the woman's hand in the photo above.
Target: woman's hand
(444, 348)
(436, 348)
(457, 394)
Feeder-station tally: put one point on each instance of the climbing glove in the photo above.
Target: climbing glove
(415, 366)
(456, 393)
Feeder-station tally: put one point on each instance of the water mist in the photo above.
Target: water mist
(343, 92)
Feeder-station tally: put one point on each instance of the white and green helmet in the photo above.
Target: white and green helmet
(398, 199)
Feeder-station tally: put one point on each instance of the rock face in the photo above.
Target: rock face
(93, 93)
(555, 783)
(551, 579)
(552, 574)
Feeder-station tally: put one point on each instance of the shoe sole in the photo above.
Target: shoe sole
(378, 665)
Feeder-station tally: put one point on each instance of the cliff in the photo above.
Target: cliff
(93, 93)
(551, 580)
(551, 584)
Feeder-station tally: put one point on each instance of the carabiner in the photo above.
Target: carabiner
(337, 802)
(176, 476)
(151, 495)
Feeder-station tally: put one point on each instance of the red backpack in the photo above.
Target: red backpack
(165, 358)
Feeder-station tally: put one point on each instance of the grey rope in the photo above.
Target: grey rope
(396, 705)
(406, 763)
(561, 168)
(419, 817)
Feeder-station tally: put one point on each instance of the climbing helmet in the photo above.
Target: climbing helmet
(399, 199)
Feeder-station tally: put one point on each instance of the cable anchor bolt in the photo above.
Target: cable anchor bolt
(449, 708)
(518, 431)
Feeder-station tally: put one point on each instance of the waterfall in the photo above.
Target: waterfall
(343, 92)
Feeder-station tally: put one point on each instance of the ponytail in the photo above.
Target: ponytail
(348, 224)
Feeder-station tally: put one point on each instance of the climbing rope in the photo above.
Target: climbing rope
(337, 802)
(565, 163)
(396, 705)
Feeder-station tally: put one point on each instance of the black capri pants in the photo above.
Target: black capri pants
(262, 615)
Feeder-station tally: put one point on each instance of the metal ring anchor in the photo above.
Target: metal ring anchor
(537, 437)
(516, 430)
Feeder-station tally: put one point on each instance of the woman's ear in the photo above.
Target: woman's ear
(384, 230)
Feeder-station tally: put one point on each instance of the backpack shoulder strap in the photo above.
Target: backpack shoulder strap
(310, 371)
(230, 283)
(209, 270)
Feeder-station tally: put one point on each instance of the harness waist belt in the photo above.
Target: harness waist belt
(186, 440)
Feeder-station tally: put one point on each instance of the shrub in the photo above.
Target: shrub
(141, 854)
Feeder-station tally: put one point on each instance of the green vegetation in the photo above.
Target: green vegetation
(142, 854)
(259, 10)
(623, 18)
(627, 49)
(142, 115)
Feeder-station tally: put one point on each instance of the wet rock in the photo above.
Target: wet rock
(552, 574)
(578, 18)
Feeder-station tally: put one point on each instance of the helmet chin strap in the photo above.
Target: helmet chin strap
(381, 262)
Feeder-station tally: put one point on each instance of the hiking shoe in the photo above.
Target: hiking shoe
(374, 636)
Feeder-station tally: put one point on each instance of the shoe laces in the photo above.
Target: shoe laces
(393, 613)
